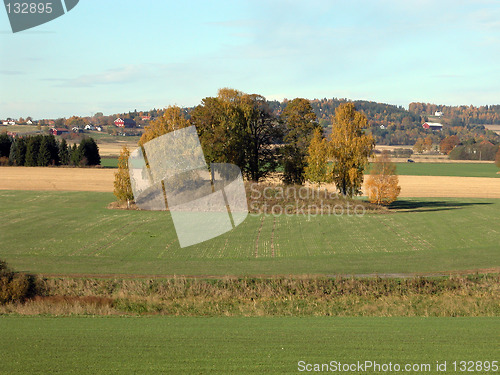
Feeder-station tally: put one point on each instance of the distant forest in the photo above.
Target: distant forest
(389, 124)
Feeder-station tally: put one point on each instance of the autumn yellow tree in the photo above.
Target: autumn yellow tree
(123, 188)
(428, 143)
(316, 170)
(350, 148)
(382, 183)
(173, 119)
(497, 158)
(419, 146)
(448, 144)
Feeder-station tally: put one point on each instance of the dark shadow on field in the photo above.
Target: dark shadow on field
(428, 206)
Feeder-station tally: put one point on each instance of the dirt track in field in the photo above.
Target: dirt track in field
(95, 179)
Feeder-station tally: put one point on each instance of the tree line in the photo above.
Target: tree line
(462, 115)
(45, 150)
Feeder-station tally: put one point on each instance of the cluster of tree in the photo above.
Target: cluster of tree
(424, 144)
(456, 147)
(45, 150)
(459, 115)
(474, 151)
(242, 129)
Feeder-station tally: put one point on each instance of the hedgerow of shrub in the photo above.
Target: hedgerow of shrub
(15, 286)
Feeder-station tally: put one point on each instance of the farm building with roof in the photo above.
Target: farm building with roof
(432, 126)
(125, 123)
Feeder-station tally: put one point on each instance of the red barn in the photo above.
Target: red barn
(58, 131)
(432, 126)
(125, 123)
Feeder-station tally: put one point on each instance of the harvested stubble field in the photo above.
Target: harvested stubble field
(113, 149)
(495, 128)
(97, 179)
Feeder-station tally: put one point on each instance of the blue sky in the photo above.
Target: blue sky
(115, 56)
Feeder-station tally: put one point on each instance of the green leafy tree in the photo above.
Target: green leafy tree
(316, 170)
(299, 122)
(350, 148)
(220, 125)
(241, 129)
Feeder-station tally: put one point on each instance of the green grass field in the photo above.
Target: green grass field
(179, 345)
(411, 169)
(74, 233)
(109, 162)
(448, 169)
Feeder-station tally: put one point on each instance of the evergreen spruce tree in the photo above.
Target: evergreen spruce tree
(13, 152)
(44, 153)
(90, 152)
(75, 156)
(32, 150)
(21, 148)
(5, 142)
(64, 152)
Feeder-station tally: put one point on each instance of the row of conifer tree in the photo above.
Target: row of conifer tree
(45, 150)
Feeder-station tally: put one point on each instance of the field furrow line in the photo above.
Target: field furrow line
(258, 236)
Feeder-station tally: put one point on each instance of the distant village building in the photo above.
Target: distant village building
(432, 126)
(89, 127)
(125, 123)
(76, 129)
(438, 114)
(9, 122)
(146, 118)
(382, 127)
(59, 131)
(29, 122)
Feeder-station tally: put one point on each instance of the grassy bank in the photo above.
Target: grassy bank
(472, 295)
